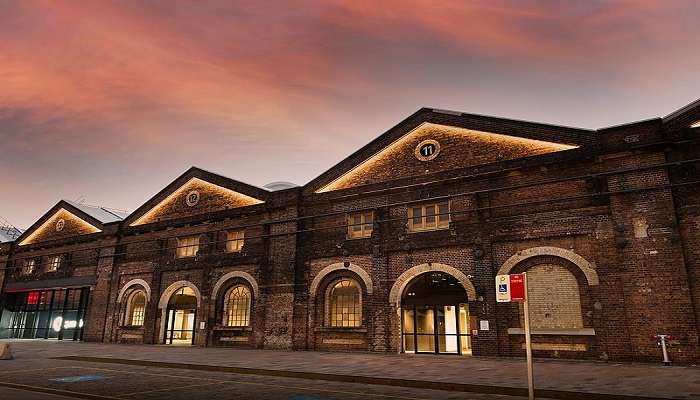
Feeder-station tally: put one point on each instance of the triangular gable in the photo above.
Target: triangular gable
(62, 221)
(193, 193)
(451, 141)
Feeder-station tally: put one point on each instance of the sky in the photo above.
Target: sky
(107, 102)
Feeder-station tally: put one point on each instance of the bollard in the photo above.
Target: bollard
(662, 341)
(5, 351)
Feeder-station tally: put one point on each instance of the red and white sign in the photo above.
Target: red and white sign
(510, 288)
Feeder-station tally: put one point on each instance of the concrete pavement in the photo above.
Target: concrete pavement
(412, 373)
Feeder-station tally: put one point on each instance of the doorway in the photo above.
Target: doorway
(181, 315)
(435, 316)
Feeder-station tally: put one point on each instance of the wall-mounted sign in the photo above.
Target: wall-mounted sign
(427, 150)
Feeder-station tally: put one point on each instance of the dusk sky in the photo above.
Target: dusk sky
(110, 101)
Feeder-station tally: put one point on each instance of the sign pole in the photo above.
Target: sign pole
(528, 344)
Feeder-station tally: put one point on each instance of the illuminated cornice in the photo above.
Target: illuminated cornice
(391, 149)
(236, 198)
(49, 226)
(695, 125)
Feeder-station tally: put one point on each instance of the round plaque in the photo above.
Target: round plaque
(192, 198)
(427, 150)
(60, 224)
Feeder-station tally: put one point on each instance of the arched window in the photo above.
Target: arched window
(136, 308)
(237, 306)
(554, 299)
(344, 304)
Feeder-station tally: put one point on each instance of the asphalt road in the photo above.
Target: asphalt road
(67, 379)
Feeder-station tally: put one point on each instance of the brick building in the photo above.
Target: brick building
(394, 249)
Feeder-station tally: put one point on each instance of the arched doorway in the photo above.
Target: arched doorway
(180, 317)
(435, 315)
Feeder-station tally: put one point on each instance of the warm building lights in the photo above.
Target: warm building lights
(232, 198)
(57, 223)
(425, 131)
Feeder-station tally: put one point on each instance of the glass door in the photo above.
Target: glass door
(436, 329)
(180, 325)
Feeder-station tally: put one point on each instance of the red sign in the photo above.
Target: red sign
(517, 287)
(33, 298)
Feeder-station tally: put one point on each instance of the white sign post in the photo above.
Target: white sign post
(513, 288)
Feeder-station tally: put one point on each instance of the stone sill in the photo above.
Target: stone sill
(559, 332)
(131, 328)
(411, 232)
(339, 329)
(233, 328)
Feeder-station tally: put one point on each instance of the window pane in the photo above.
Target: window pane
(237, 307)
(408, 324)
(187, 247)
(138, 308)
(417, 213)
(345, 308)
(444, 218)
(430, 216)
(234, 241)
(424, 319)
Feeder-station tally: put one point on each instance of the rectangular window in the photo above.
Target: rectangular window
(187, 246)
(428, 217)
(360, 225)
(54, 263)
(234, 241)
(28, 266)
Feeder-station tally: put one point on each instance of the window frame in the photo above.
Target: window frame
(28, 266)
(183, 249)
(329, 306)
(435, 207)
(129, 314)
(239, 242)
(54, 263)
(226, 307)
(364, 232)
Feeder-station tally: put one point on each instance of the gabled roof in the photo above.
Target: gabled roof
(249, 193)
(92, 216)
(102, 214)
(567, 137)
(684, 117)
(9, 233)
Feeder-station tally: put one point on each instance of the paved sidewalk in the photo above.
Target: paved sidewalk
(616, 379)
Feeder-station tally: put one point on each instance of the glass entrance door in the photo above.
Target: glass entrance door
(180, 327)
(180, 317)
(440, 329)
(435, 316)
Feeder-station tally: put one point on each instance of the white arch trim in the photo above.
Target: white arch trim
(340, 267)
(235, 274)
(403, 280)
(588, 268)
(131, 283)
(167, 293)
